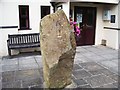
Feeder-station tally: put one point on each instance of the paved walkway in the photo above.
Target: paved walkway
(95, 67)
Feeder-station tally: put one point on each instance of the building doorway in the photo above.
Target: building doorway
(86, 18)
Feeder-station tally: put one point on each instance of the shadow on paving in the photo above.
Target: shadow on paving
(23, 54)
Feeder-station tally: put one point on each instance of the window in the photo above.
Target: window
(45, 10)
(24, 17)
(112, 19)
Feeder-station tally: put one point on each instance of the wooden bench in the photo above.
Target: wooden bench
(18, 41)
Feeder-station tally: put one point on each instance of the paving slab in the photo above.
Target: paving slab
(80, 82)
(38, 60)
(0, 68)
(80, 74)
(27, 61)
(89, 54)
(85, 86)
(10, 62)
(115, 84)
(109, 63)
(26, 57)
(114, 77)
(9, 68)
(8, 76)
(110, 56)
(0, 84)
(115, 61)
(96, 72)
(92, 49)
(114, 69)
(107, 86)
(91, 66)
(107, 72)
(16, 84)
(76, 67)
(99, 80)
(96, 58)
(40, 86)
(32, 82)
(119, 54)
(81, 50)
(81, 60)
(79, 55)
(28, 66)
(27, 74)
(94, 67)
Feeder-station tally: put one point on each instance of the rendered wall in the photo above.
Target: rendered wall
(119, 25)
(111, 35)
(108, 34)
(0, 22)
(10, 17)
(66, 9)
(100, 1)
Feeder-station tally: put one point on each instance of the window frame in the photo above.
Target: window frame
(26, 17)
(41, 7)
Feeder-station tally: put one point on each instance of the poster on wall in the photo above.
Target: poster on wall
(79, 18)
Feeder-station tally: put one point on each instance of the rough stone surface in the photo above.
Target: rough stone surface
(58, 49)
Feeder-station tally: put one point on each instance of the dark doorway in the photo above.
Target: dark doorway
(45, 10)
(86, 17)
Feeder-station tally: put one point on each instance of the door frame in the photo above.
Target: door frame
(95, 10)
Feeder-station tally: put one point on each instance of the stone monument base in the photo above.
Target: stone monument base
(72, 85)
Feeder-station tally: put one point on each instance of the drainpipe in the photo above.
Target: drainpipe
(53, 5)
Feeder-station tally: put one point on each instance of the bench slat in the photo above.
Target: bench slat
(17, 41)
(24, 39)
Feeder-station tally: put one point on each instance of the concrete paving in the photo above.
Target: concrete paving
(94, 67)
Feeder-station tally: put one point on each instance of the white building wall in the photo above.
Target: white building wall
(0, 22)
(0, 14)
(111, 36)
(66, 9)
(99, 25)
(119, 39)
(113, 11)
(10, 17)
(119, 15)
(119, 25)
(100, 1)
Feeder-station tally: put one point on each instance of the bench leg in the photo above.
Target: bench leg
(9, 52)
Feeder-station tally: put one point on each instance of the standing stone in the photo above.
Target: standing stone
(58, 49)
